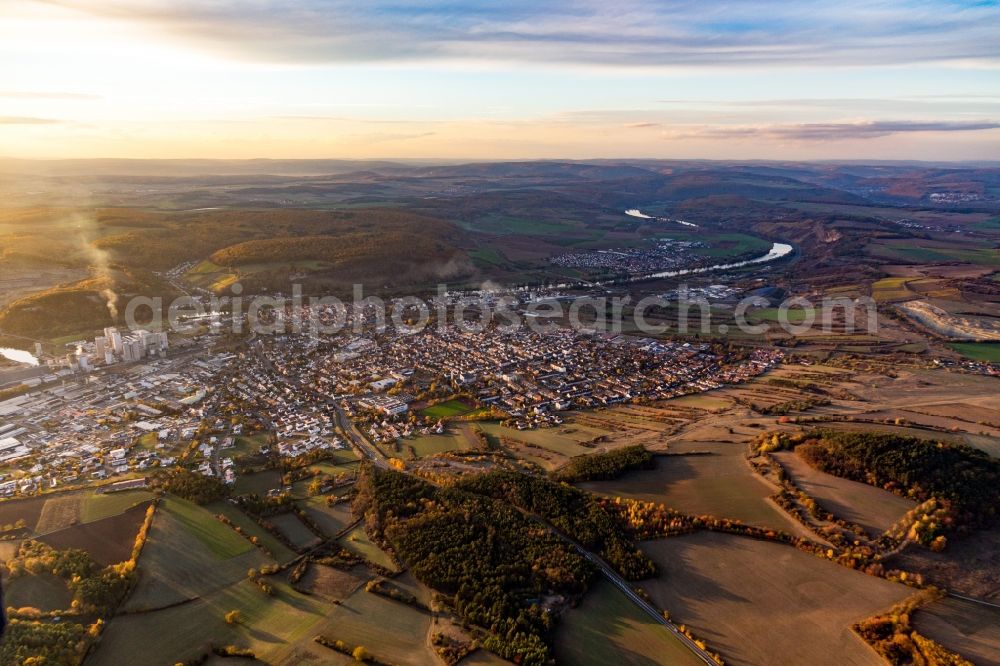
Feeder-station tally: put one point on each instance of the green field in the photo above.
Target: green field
(247, 445)
(445, 409)
(358, 543)
(343, 456)
(507, 225)
(198, 521)
(258, 483)
(330, 519)
(294, 530)
(272, 626)
(97, 506)
(334, 468)
(902, 250)
(395, 633)
(429, 445)
(488, 256)
(978, 351)
(794, 315)
(189, 554)
(280, 551)
(722, 245)
(607, 628)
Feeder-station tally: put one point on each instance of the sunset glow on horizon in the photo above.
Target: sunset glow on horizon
(283, 79)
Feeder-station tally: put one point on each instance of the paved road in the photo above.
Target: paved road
(973, 600)
(358, 439)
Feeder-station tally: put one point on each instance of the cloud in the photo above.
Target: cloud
(27, 120)
(829, 131)
(641, 125)
(385, 137)
(632, 33)
(19, 94)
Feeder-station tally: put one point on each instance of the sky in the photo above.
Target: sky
(512, 79)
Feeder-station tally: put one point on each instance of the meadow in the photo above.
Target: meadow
(271, 626)
(278, 550)
(978, 351)
(567, 439)
(392, 631)
(357, 542)
(258, 483)
(189, 554)
(330, 519)
(458, 437)
(294, 530)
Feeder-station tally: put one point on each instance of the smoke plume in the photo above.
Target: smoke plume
(99, 259)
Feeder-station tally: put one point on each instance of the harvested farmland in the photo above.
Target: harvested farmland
(719, 483)
(779, 604)
(872, 508)
(108, 541)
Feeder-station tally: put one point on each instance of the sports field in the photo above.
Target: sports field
(446, 409)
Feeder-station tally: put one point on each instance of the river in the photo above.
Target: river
(777, 251)
(635, 212)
